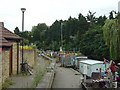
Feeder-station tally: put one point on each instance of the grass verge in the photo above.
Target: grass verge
(40, 73)
(7, 83)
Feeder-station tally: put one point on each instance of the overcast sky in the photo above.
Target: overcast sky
(47, 11)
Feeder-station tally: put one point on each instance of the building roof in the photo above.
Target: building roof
(6, 34)
(4, 42)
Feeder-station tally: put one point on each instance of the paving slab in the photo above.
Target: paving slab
(27, 81)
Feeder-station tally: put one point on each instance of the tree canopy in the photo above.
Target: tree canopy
(95, 37)
(111, 38)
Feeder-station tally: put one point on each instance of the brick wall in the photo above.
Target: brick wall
(14, 58)
(5, 65)
(1, 24)
(29, 56)
(0, 70)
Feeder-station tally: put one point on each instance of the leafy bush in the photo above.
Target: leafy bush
(27, 47)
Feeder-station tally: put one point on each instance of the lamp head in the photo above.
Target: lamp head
(23, 9)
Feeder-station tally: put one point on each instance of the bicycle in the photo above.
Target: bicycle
(26, 68)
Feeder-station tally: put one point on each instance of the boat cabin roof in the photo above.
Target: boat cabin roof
(89, 61)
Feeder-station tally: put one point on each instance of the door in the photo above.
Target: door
(10, 61)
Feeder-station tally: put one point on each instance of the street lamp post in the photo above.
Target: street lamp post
(61, 37)
(23, 10)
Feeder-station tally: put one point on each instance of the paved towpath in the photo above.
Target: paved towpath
(27, 81)
(67, 78)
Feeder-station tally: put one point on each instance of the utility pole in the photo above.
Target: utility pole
(119, 30)
(61, 36)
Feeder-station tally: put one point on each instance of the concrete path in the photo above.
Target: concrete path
(27, 81)
(67, 78)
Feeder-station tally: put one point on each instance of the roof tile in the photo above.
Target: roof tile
(6, 34)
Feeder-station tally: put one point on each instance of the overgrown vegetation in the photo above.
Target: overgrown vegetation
(27, 47)
(7, 83)
(40, 73)
(38, 77)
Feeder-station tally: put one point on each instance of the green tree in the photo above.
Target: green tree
(118, 25)
(111, 15)
(38, 34)
(91, 17)
(111, 38)
(101, 20)
(92, 43)
(17, 31)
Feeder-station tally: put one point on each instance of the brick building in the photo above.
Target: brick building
(11, 55)
(9, 44)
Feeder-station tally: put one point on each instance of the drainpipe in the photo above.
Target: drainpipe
(17, 57)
